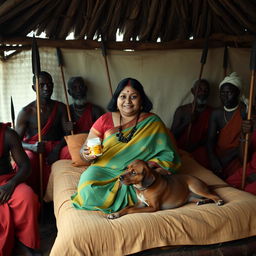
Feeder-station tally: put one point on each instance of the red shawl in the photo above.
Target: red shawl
(47, 126)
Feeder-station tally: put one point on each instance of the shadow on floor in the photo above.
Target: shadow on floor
(48, 232)
(47, 229)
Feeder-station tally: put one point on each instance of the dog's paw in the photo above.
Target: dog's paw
(204, 201)
(220, 202)
(113, 216)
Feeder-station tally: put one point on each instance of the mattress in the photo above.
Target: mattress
(82, 232)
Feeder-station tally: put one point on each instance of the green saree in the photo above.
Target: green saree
(99, 187)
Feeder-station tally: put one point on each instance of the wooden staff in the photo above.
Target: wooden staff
(225, 61)
(12, 114)
(104, 54)
(36, 71)
(249, 114)
(61, 65)
(203, 61)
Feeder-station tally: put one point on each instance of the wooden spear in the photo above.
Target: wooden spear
(104, 54)
(249, 114)
(203, 61)
(36, 71)
(225, 61)
(61, 65)
(12, 114)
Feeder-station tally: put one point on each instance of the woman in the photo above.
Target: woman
(128, 132)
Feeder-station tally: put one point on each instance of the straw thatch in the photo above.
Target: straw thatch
(142, 22)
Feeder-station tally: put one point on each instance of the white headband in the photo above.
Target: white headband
(233, 79)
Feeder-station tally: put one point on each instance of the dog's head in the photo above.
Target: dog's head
(138, 173)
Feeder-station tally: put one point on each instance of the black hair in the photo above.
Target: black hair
(146, 102)
(44, 74)
(74, 79)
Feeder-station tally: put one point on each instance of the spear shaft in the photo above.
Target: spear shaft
(36, 71)
(249, 114)
(12, 114)
(61, 65)
(203, 61)
(225, 61)
(104, 54)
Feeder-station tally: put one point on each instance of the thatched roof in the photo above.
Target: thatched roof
(140, 21)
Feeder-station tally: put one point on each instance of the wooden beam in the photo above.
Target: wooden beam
(217, 40)
(14, 48)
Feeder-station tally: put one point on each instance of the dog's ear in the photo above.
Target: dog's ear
(149, 177)
(148, 181)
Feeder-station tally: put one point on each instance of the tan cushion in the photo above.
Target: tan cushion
(75, 142)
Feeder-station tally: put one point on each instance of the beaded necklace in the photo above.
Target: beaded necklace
(228, 110)
(121, 136)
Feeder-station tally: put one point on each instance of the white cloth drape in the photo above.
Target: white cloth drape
(167, 76)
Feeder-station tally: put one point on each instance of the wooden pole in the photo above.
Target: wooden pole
(249, 114)
(225, 61)
(203, 61)
(61, 64)
(36, 71)
(12, 114)
(104, 54)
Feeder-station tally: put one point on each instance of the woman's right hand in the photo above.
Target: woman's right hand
(85, 154)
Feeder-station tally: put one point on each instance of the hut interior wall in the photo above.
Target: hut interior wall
(166, 75)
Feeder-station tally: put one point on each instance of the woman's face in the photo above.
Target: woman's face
(129, 101)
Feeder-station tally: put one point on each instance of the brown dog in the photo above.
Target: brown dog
(158, 191)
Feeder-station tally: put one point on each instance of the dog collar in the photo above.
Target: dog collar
(141, 188)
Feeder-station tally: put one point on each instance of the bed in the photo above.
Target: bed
(82, 232)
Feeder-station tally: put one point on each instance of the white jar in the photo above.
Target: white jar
(94, 144)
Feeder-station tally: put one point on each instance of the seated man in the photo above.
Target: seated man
(225, 128)
(53, 116)
(190, 127)
(83, 113)
(19, 206)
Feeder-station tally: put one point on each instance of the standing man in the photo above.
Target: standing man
(190, 127)
(53, 116)
(225, 128)
(19, 206)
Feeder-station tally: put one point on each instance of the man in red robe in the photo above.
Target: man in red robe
(19, 205)
(225, 129)
(83, 113)
(53, 117)
(190, 127)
